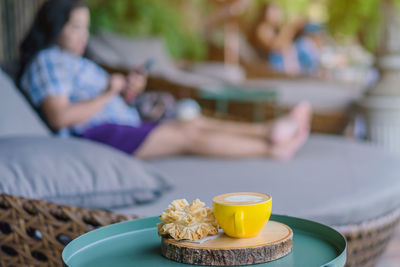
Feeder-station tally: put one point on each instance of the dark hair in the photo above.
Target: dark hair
(46, 28)
(252, 33)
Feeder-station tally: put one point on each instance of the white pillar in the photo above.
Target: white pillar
(381, 105)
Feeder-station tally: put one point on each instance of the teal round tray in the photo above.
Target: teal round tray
(136, 243)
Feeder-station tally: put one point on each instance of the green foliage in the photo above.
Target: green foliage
(361, 18)
(294, 6)
(170, 20)
(346, 18)
(355, 18)
(290, 7)
(152, 17)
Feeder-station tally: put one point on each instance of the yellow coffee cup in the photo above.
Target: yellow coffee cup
(242, 214)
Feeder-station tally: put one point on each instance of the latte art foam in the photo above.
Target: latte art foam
(242, 198)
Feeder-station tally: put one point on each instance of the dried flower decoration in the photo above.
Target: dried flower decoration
(182, 221)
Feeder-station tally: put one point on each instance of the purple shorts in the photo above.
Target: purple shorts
(122, 137)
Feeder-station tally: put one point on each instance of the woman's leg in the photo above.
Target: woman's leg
(291, 61)
(279, 130)
(174, 137)
(259, 130)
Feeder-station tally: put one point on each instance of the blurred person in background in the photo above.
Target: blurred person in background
(77, 96)
(291, 47)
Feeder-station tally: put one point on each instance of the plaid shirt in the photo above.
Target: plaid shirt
(56, 72)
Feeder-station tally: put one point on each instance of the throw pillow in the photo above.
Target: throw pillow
(16, 115)
(76, 172)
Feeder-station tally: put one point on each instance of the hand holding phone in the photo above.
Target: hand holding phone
(145, 67)
(137, 80)
(148, 64)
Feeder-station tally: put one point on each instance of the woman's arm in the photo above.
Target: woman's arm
(60, 113)
(288, 33)
(281, 40)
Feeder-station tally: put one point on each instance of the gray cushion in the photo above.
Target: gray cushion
(75, 172)
(16, 115)
(119, 51)
(331, 180)
(233, 74)
(324, 96)
(124, 52)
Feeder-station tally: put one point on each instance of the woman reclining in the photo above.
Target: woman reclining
(78, 96)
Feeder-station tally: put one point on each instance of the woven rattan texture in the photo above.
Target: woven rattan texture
(34, 232)
(367, 241)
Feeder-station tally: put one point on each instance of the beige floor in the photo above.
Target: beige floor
(391, 258)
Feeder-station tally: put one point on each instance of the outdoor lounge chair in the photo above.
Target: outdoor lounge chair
(349, 185)
(332, 101)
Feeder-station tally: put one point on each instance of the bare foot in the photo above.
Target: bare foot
(286, 127)
(285, 151)
(290, 132)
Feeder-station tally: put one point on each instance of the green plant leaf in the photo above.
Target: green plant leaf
(152, 17)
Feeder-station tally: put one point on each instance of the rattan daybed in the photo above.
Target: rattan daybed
(34, 232)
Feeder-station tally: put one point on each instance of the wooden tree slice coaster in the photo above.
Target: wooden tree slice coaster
(274, 242)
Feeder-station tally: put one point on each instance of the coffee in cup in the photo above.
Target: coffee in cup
(242, 214)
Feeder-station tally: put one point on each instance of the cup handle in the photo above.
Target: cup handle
(239, 225)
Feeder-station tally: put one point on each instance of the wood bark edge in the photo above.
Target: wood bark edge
(226, 257)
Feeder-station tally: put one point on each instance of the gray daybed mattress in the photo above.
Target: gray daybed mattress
(332, 180)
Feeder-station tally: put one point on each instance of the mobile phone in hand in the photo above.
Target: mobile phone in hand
(145, 67)
(148, 64)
